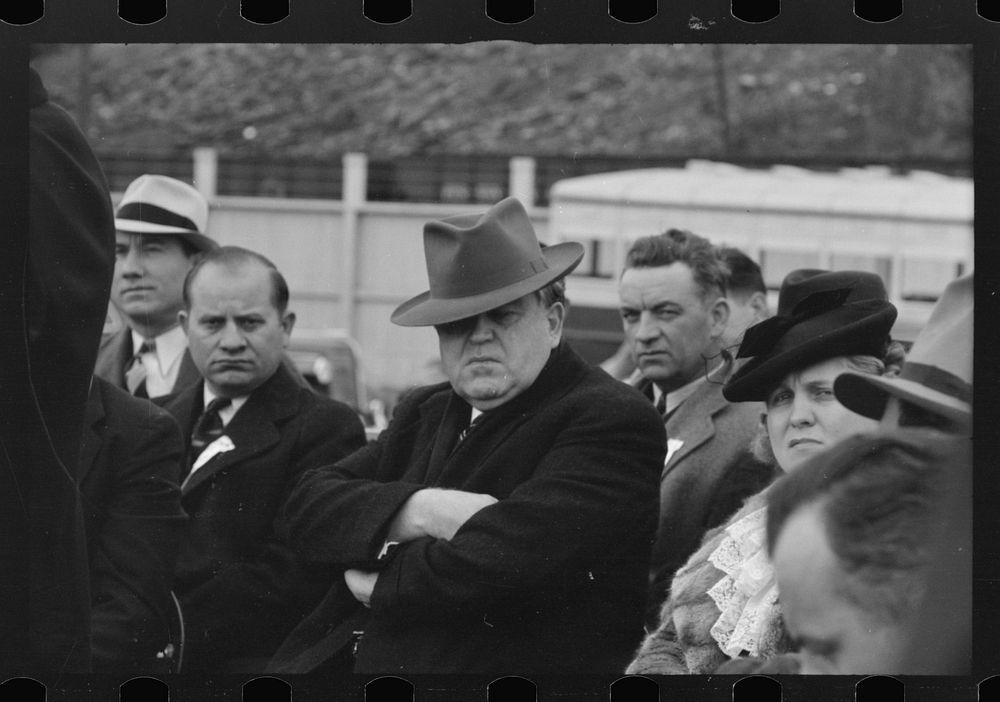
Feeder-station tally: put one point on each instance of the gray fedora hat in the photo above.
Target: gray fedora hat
(476, 263)
(937, 372)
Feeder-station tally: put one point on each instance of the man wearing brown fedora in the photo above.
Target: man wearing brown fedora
(160, 227)
(502, 522)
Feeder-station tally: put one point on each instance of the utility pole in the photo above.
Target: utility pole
(722, 98)
(83, 89)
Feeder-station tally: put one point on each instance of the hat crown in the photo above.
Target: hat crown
(814, 303)
(469, 254)
(838, 287)
(165, 201)
(946, 341)
(937, 372)
(476, 263)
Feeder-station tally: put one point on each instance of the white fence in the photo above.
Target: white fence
(350, 262)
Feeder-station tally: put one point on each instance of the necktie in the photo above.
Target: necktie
(468, 430)
(208, 428)
(661, 404)
(135, 372)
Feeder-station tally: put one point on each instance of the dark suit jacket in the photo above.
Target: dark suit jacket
(551, 579)
(705, 480)
(241, 588)
(129, 476)
(55, 275)
(114, 354)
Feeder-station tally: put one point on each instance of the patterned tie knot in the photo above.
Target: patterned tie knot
(469, 429)
(209, 426)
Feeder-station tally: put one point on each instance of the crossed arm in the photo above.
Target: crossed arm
(582, 486)
(432, 512)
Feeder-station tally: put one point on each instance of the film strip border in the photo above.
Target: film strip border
(512, 12)
(756, 688)
(945, 21)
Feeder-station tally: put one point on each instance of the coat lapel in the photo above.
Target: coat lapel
(693, 422)
(453, 420)
(92, 435)
(562, 372)
(253, 429)
(112, 355)
(187, 374)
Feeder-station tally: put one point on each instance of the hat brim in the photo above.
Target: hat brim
(423, 310)
(135, 226)
(868, 395)
(756, 378)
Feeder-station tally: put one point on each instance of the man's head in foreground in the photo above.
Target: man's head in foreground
(857, 535)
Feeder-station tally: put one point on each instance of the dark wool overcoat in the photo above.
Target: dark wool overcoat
(550, 579)
(129, 483)
(242, 589)
(56, 274)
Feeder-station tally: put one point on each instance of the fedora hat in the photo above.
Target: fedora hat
(821, 314)
(157, 204)
(476, 263)
(937, 372)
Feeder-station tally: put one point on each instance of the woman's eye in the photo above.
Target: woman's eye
(779, 397)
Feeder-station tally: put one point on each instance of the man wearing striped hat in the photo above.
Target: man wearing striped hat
(160, 228)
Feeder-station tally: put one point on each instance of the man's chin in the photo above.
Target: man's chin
(137, 309)
(233, 383)
(485, 397)
(656, 370)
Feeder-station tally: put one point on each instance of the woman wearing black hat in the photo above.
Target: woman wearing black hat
(723, 602)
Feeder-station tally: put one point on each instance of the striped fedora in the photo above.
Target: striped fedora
(157, 204)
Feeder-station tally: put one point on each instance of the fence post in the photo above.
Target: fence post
(355, 194)
(206, 171)
(522, 179)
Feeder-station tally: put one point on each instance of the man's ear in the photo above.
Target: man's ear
(719, 313)
(556, 315)
(287, 322)
(758, 301)
(182, 317)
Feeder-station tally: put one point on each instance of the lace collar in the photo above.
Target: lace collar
(747, 595)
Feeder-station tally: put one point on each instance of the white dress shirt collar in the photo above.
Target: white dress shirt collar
(163, 363)
(676, 397)
(228, 412)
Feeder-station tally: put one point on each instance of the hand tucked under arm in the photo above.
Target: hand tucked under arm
(361, 583)
(436, 513)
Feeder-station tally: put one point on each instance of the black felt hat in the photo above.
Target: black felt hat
(821, 314)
